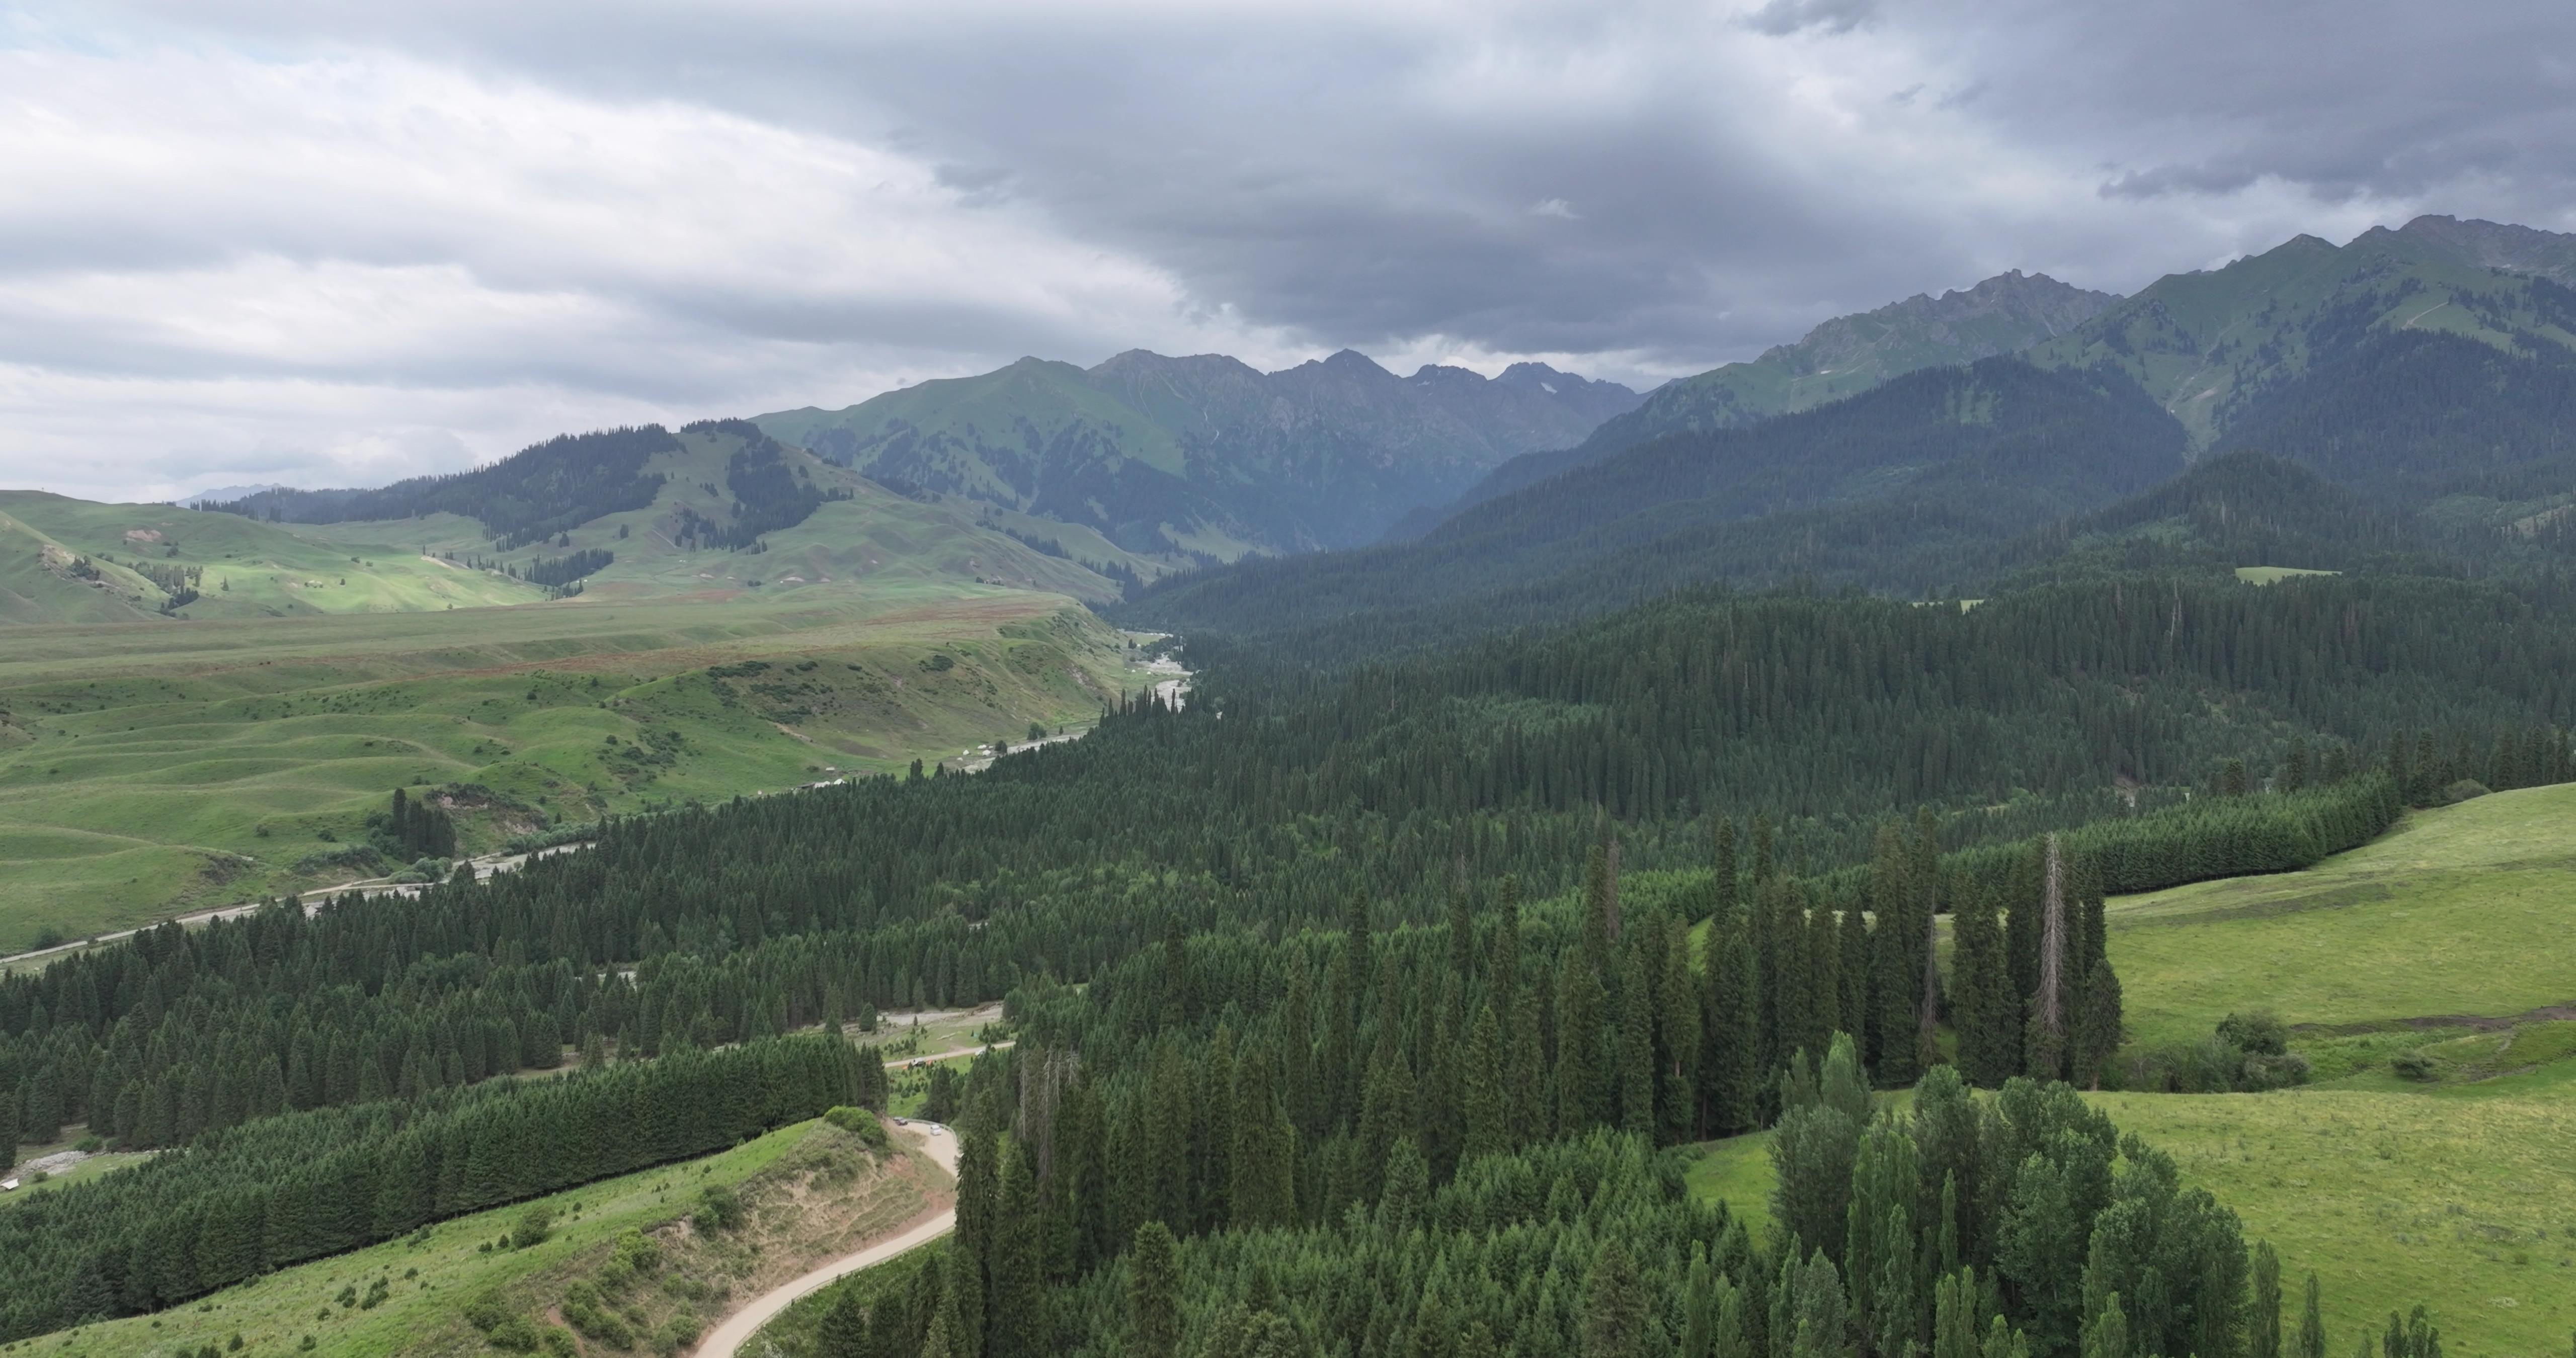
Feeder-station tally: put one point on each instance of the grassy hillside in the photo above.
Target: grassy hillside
(1844, 357)
(149, 770)
(871, 541)
(809, 1189)
(2458, 1198)
(245, 568)
(2449, 915)
(2208, 344)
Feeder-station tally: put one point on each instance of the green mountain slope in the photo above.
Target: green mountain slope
(1199, 457)
(2209, 345)
(716, 508)
(1842, 357)
(1908, 486)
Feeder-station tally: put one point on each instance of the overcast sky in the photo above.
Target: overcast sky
(325, 243)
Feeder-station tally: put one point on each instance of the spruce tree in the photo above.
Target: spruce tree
(1634, 1046)
(1724, 871)
(1016, 1310)
(1154, 1293)
(1984, 1009)
(1263, 1191)
(1488, 1121)
(1728, 1044)
(2099, 1027)
(1896, 971)
(1680, 1028)
(1615, 1306)
(1583, 1058)
(845, 1327)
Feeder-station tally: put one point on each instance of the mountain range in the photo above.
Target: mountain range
(2429, 369)
(1206, 456)
(2410, 396)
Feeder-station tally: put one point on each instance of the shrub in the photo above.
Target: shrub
(2464, 790)
(718, 1210)
(861, 1123)
(534, 1225)
(2259, 1031)
(515, 1334)
(638, 1252)
(677, 1333)
(2415, 1065)
(2274, 1072)
(584, 1307)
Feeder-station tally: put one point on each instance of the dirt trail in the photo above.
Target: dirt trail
(727, 1339)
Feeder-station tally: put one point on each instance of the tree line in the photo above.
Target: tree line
(280, 1190)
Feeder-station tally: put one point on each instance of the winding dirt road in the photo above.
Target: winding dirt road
(727, 1339)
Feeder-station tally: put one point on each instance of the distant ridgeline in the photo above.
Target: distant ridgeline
(531, 495)
(1169, 456)
(2418, 381)
(547, 489)
(1910, 485)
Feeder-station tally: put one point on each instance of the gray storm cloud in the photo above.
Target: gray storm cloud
(314, 242)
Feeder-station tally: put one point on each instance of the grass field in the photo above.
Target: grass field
(2461, 911)
(810, 1193)
(2273, 575)
(149, 769)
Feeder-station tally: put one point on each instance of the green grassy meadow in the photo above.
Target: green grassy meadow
(2460, 911)
(431, 1279)
(150, 769)
(2273, 575)
(248, 569)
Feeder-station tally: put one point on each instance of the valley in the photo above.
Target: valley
(250, 754)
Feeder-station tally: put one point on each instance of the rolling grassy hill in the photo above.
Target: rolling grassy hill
(851, 534)
(149, 770)
(245, 568)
